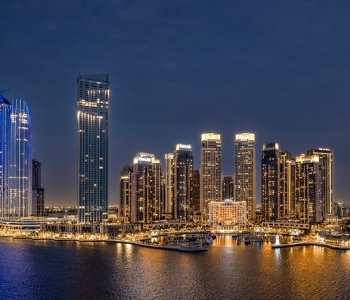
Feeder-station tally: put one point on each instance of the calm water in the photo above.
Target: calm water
(72, 270)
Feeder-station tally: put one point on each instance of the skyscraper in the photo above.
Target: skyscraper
(228, 187)
(277, 183)
(37, 190)
(169, 183)
(92, 146)
(245, 186)
(270, 182)
(287, 185)
(124, 192)
(145, 188)
(4, 155)
(195, 194)
(183, 171)
(20, 168)
(308, 203)
(327, 178)
(210, 185)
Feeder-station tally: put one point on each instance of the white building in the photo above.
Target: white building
(228, 213)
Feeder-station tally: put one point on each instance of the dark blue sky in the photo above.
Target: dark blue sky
(280, 69)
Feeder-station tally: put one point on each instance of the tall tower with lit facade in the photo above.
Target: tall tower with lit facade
(287, 185)
(183, 171)
(37, 190)
(124, 192)
(4, 156)
(169, 184)
(92, 146)
(270, 182)
(210, 183)
(327, 178)
(20, 170)
(145, 188)
(277, 183)
(245, 174)
(308, 201)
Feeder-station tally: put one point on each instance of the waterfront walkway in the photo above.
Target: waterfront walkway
(310, 243)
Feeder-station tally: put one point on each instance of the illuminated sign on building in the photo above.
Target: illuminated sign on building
(183, 146)
(145, 159)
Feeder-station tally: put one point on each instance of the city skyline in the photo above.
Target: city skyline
(176, 72)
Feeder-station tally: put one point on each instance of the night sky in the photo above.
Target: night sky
(280, 69)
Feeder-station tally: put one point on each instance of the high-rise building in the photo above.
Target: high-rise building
(169, 183)
(183, 171)
(277, 183)
(124, 192)
(270, 182)
(4, 156)
(37, 190)
(287, 185)
(36, 173)
(195, 197)
(210, 184)
(228, 187)
(145, 188)
(20, 168)
(92, 146)
(245, 174)
(308, 203)
(327, 178)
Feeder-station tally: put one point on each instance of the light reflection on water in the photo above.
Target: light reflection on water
(64, 270)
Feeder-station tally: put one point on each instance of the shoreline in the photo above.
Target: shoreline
(183, 248)
(335, 247)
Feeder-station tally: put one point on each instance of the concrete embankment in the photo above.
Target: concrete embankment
(337, 247)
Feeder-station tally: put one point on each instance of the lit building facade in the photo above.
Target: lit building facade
(270, 182)
(38, 193)
(124, 192)
(20, 167)
(4, 156)
(277, 183)
(245, 173)
(183, 171)
(169, 183)
(327, 179)
(228, 213)
(92, 146)
(287, 185)
(195, 197)
(308, 202)
(228, 183)
(145, 188)
(210, 183)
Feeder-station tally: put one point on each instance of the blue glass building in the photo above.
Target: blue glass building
(92, 148)
(4, 155)
(20, 160)
(15, 159)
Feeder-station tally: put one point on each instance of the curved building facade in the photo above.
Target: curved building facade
(20, 160)
(4, 155)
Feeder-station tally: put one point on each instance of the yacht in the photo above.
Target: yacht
(208, 240)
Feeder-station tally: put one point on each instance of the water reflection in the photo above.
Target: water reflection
(122, 271)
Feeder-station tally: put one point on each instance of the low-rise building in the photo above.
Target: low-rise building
(228, 213)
